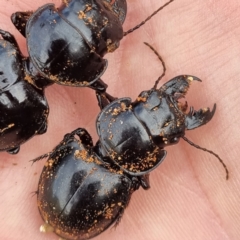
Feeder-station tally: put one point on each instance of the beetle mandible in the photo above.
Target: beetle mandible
(84, 189)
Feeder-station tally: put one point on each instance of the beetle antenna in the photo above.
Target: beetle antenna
(211, 152)
(148, 18)
(163, 64)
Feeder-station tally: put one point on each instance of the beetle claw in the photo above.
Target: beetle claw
(198, 118)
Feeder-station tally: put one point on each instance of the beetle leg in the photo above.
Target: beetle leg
(41, 157)
(83, 135)
(104, 99)
(34, 193)
(135, 183)
(99, 85)
(14, 150)
(144, 181)
(19, 20)
(8, 37)
(43, 129)
(102, 96)
(121, 212)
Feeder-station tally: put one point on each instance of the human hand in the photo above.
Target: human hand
(189, 196)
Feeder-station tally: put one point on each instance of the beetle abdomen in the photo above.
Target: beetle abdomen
(78, 196)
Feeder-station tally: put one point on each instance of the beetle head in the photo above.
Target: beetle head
(165, 117)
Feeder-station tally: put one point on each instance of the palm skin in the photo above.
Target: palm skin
(189, 196)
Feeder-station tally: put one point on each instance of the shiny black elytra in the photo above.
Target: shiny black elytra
(84, 189)
(65, 46)
(23, 106)
(58, 52)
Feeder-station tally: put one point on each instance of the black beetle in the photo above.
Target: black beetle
(59, 52)
(67, 44)
(83, 189)
(23, 106)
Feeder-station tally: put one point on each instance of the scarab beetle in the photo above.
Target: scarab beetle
(83, 189)
(66, 46)
(23, 106)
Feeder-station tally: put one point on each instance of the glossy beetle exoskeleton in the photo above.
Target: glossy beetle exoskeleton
(134, 134)
(67, 45)
(59, 52)
(83, 198)
(84, 189)
(23, 106)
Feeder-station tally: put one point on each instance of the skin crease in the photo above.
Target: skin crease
(189, 196)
